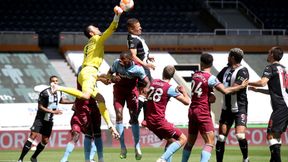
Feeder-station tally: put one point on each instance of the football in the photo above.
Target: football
(126, 5)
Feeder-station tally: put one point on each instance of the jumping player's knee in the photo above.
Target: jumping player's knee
(99, 98)
(240, 136)
(119, 117)
(221, 138)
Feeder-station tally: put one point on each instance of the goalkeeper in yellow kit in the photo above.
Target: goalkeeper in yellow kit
(93, 58)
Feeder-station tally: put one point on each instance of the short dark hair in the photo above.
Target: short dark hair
(168, 72)
(237, 53)
(277, 53)
(206, 59)
(125, 55)
(52, 76)
(131, 22)
(87, 31)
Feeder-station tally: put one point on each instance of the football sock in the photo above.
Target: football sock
(206, 153)
(26, 148)
(171, 149)
(120, 129)
(244, 147)
(40, 147)
(186, 152)
(87, 147)
(99, 147)
(93, 150)
(105, 113)
(136, 131)
(275, 153)
(71, 91)
(170, 158)
(69, 149)
(220, 148)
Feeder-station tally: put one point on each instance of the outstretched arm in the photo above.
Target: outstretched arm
(264, 91)
(260, 83)
(220, 87)
(113, 26)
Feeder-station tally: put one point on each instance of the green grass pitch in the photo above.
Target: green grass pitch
(232, 154)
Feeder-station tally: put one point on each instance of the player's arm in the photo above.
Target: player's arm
(133, 52)
(44, 100)
(113, 26)
(110, 74)
(214, 82)
(260, 83)
(221, 88)
(260, 90)
(43, 108)
(182, 95)
(142, 75)
(267, 74)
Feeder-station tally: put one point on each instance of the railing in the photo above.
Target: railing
(235, 4)
(249, 32)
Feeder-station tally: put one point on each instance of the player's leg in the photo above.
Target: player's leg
(225, 123)
(240, 122)
(188, 146)
(70, 145)
(78, 120)
(119, 102)
(276, 126)
(206, 129)
(27, 145)
(40, 147)
(88, 140)
(142, 102)
(274, 140)
(174, 146)
(96, 125)
(86, 80)
(99, 146)
(208, 146)
(174, 136)
(133, 112)
(45, 132)
(192, 136)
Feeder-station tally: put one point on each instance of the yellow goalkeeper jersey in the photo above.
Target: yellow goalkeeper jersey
(94, 50)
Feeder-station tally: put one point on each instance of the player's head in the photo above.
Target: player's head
(168, 72)
(275, 54)
(53, 79)
(91, 30)
(206, 60)
(134, 26)
(125, 59)
(235, 56)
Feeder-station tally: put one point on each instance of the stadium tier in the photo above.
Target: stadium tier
(20, 72)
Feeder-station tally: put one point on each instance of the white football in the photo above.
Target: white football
(126, 5)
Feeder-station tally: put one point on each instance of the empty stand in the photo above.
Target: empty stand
(20, 72)
(50, 17)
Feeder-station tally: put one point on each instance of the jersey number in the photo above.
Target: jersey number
(155, 94)
(196, 89)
